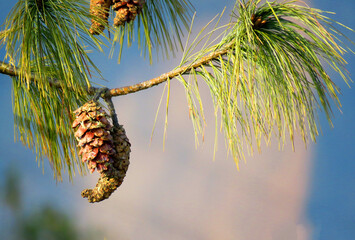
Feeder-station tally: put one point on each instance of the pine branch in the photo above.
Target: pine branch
(265, 75)
(5, 68)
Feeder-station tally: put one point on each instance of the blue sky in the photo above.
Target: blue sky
(332, 193)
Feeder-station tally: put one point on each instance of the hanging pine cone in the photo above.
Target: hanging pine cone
(126, 10)
(99, 9)
(102, 147)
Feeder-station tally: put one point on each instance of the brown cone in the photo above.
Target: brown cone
(102, 147)
(99, 9)
(126, 10)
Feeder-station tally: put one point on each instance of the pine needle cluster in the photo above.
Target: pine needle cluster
(265, 74)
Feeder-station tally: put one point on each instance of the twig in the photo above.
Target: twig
(7, 69)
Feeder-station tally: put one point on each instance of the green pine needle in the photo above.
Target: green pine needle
(43, 123)
(160, 25)
(270, 79)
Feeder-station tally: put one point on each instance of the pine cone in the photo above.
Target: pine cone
(103, 147)
(126, 10)
(99, 9)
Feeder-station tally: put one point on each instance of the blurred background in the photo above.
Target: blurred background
(181, 192)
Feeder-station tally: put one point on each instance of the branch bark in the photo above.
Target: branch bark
(7, 69)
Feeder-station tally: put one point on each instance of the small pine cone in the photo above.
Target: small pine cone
(113, 177)
(126, 10)
(99, 9)
(258, 21)
(92, 130)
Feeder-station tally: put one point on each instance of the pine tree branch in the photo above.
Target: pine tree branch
(265, 76)
(5, 68)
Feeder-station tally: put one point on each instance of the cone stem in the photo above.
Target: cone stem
(113, 114)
